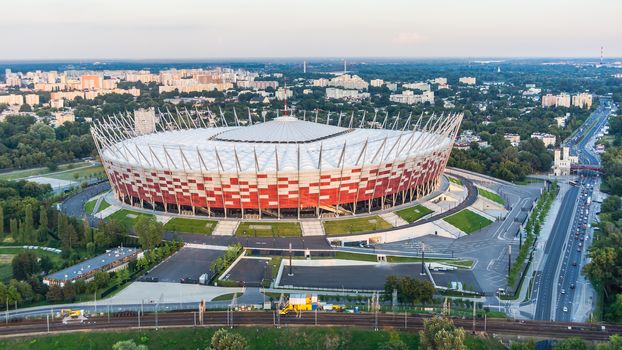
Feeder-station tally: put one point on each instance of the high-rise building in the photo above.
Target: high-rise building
(144, 121)
(467, 80)
(582, 100)
(91, 82)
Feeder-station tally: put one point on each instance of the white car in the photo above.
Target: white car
(565, 309)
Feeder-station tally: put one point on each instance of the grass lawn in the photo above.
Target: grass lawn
(18, 174)
(413, 214)
(269, 229)
(349, 226)
(103, 205)
(401, 259)
(7, 254)
(225, 297)
(468, 221)
(455, 180)
(126, 217)
(80, 174)
(191, 225)
(299, 338)
(89, 206)
(490, 195)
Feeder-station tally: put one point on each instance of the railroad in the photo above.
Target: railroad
(400, 321)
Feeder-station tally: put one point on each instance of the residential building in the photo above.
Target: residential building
(280, 94)
(582, 100)
(348, 81)
(547, 139)
(409, 97)
(513, 138)
(376, 82)
(334, 93)
(440, 81)
(467, 80)
(32, 99)
(61, 118)
(144, 121)
(91, 82)
(12, 99)
(417, 86)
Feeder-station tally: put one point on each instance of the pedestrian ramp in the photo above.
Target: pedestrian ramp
(312, 228)
(225, 228)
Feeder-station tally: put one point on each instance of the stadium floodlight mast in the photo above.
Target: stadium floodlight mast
(191, 161)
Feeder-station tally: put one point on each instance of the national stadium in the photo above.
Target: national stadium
(288, 167)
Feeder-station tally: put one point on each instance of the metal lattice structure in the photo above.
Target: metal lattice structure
(195, 163)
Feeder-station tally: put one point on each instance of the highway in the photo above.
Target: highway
(132, 320)
(555, 287)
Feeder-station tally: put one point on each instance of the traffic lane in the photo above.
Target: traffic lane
(552, 249)
(573, 255)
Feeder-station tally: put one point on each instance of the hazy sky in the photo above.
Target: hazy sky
(91, 29)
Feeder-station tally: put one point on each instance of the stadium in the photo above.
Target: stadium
(287, 167)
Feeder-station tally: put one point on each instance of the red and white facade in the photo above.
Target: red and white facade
(286, 167)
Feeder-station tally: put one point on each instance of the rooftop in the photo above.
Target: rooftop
(92, 264)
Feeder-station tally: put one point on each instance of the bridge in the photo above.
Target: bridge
(578, 167)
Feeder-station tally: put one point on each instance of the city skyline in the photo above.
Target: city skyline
(67, 29)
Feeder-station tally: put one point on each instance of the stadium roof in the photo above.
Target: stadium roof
(283, 144)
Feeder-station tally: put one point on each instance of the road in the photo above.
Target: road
(555, 286)
(403, 321)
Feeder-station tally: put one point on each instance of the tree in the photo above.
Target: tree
(28, 220)
(530, 345)
(150, 232)
(573, 343)
(440, 334)
(394, 343)
(45, 263)
(610, 204)
(223, 340)
(1, 222)
(128, 345)
(101, 279)
(25, 264)
(54, 294)
(69, 292)
(43, 218)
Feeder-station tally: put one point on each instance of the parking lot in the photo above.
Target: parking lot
(360, 277)
(188, 262)
(250, 271)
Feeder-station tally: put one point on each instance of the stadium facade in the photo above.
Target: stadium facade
(287, 167)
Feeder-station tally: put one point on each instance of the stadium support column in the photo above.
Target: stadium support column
(278, 197)
(358, 183)
(298, 167)
(377, 179)
(319, 181)
(157, 180)
(257, 182)
(222, 192)
(201, 167)
(342, 162)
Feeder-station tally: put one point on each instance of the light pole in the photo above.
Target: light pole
(423, 259)
(291, 273)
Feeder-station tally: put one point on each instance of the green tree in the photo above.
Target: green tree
(394, 343)
(101, 279)
(573, 343)
(128, 345)
(610, 204)
(24, 265)
(224, 340)
(69, 292)
(54, 294)
(440, 334)
(150, 232)
(43, 217)
(28, 222)
(530, 345)
(1, 222)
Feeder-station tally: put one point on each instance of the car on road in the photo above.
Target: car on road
(574, 263)
(578, 249)
(565, 309)
(563, 291)
(572, 286)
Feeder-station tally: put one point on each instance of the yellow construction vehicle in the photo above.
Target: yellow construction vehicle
(300, 302)
(70, 313)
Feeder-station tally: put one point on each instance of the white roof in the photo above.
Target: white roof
(211, 149)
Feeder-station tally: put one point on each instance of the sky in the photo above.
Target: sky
(204, 29)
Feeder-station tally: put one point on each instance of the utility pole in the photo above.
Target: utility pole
(423, 259)
(47, 318)
(291, 273)
(473, 317)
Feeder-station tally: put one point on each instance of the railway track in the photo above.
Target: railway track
(402, 321)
